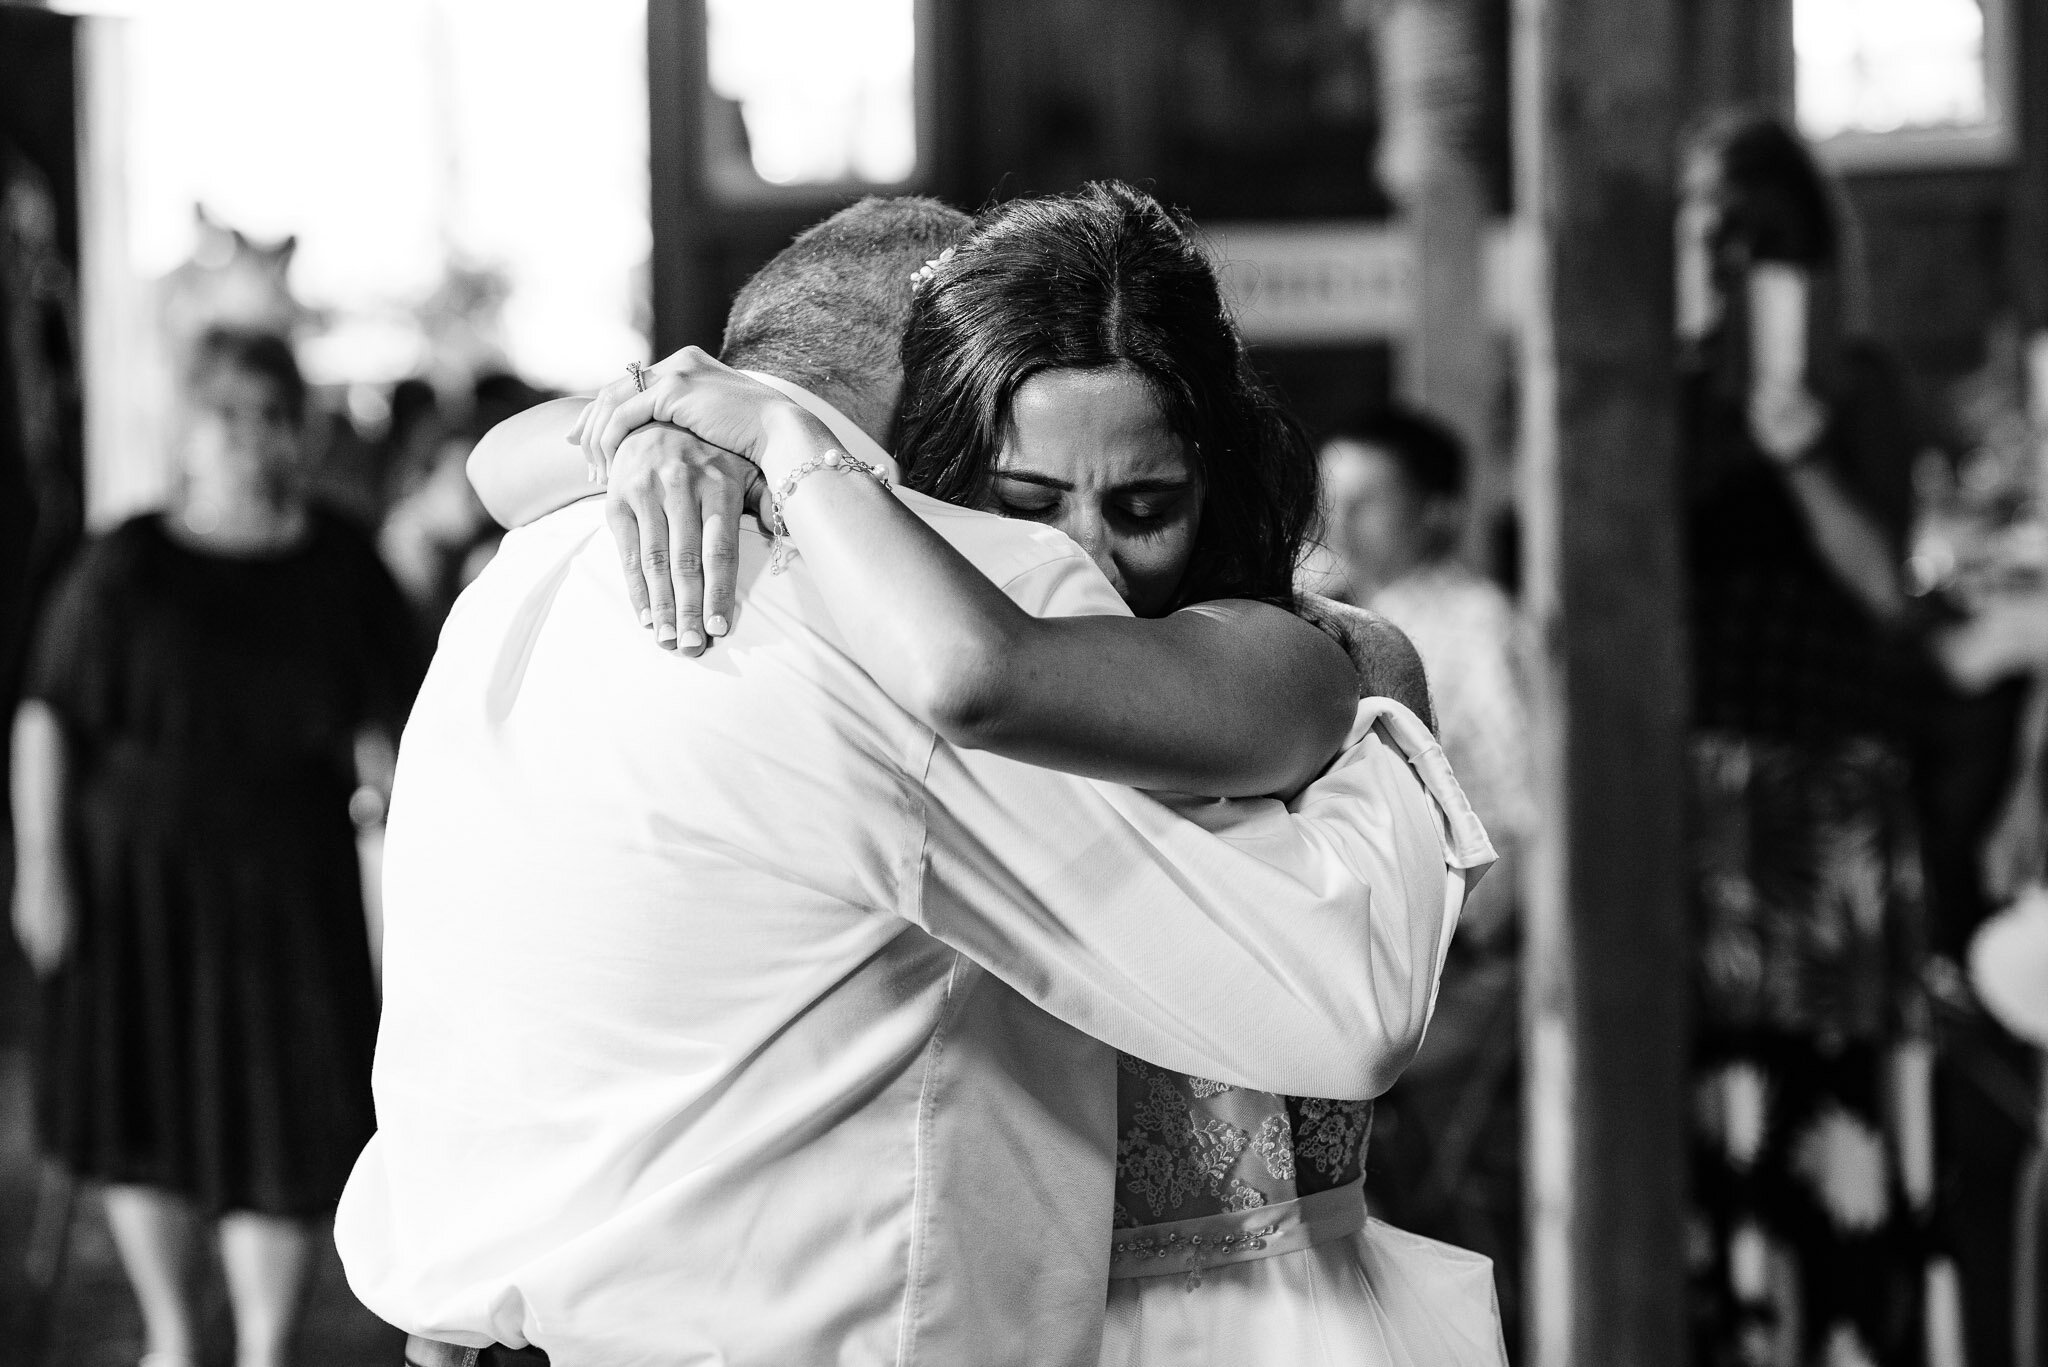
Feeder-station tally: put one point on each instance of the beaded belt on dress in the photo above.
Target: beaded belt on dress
(426, 1352)
(1238, 1236)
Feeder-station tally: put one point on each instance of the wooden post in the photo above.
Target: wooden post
(1740, 53)
(687, 305)
(2027, 237)
(1432, 63)
(1607, 950)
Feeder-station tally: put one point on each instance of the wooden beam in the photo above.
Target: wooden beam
(2027, 235)
(1607, 953)
(688, 306)
(1432, 65)
(1447, 363)
(1739, 53)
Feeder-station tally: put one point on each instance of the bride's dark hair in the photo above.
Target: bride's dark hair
(1106, 276)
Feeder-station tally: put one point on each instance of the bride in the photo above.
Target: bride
(1071, 362)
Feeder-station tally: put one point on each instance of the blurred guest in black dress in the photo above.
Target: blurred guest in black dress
(1813, 1171)
(204, 705)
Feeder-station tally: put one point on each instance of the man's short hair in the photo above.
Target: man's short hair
(828, 311)
(1430, 456)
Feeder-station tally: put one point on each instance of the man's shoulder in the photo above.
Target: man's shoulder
(1010, 551)
(543, 539)
(529, 565)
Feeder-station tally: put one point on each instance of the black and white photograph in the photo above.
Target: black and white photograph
(1024, 683)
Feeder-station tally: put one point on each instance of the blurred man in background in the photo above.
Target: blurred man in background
(1447, 1140)
(1394, 513)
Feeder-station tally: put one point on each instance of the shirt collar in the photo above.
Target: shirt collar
(857, 443)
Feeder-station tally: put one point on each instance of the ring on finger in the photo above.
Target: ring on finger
(639, 374)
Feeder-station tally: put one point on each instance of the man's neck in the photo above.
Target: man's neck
(872, 412)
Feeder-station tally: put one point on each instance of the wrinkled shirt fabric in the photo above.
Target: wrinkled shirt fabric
(732, 1018)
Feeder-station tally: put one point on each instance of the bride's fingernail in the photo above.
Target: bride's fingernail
(665, 634)
(646, 617)
(716, 625)
(692, 640)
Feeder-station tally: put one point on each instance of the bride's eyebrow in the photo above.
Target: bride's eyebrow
(1165, 484)
(1033, 477)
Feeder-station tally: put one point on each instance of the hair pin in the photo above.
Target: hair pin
(931, 267)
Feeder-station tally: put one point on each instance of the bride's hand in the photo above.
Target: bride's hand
(689, 390)
(674, 505)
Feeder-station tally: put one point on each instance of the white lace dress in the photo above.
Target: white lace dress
(1241, 1235)
(1242, 1239)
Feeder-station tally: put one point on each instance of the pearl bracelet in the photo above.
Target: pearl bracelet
(832, 459)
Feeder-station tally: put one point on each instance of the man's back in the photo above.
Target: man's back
(648, 905)
(671, 1071)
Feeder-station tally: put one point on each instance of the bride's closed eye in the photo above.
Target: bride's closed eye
(1151, 510)
(1015, 499)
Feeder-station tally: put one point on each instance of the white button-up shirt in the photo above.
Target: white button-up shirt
(731, 1018)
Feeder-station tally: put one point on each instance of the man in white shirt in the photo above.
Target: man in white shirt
(731, 1018)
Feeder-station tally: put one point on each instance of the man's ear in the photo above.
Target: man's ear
(1388, 664)
(1395, 671)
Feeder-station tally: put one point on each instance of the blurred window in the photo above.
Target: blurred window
(467, 179)
(825, 92)
(1904, 82)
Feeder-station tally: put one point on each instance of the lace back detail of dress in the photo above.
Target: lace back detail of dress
(1189, 1147)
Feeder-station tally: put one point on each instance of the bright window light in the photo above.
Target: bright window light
(826, 88)
(1886, 66)
(402, 140)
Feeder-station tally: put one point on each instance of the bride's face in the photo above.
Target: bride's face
(1089, 452)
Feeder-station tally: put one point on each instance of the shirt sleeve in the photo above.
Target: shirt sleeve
(1290, 947)
(1066, 586)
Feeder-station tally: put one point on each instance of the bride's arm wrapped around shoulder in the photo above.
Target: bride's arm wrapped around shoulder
(1226, 698)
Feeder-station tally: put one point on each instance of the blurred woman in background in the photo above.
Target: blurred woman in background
(1813, 1165)
(209, 686)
